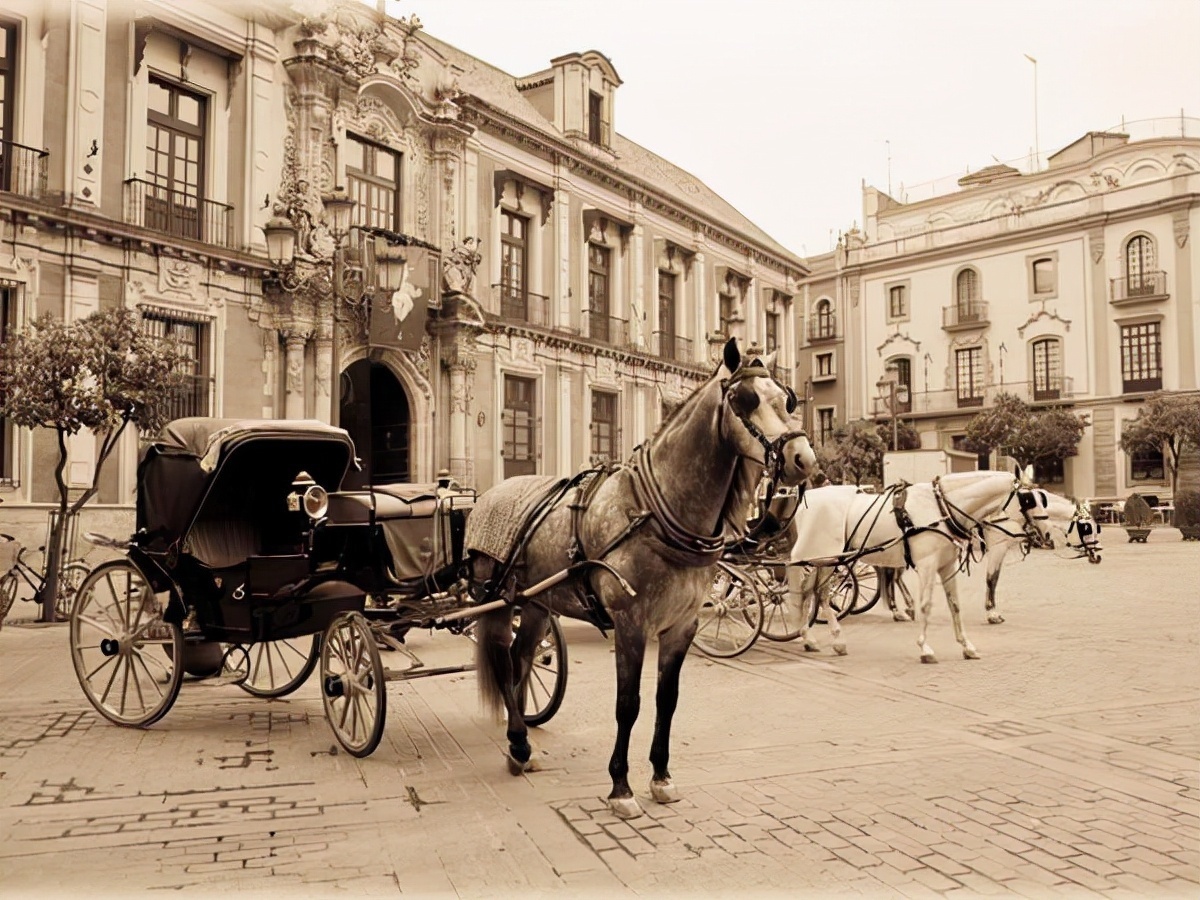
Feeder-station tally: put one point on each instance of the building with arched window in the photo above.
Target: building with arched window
(1073, 286)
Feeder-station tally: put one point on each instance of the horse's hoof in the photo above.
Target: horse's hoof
(664, 791)
(839, 649)
(970, 653)
(928, 658)
(624, 807)
(516, 767)
(901, 617)
(810, 647)
(995, 619)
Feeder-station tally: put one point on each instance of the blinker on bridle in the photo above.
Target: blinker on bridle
(772, 450)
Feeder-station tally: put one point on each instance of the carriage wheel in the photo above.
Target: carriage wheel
(782, 616)
(869, 588)
(122, 648)
(277, 668)
(543, 688)
(842, 588)
(352, 684)
(731, 617)
(69, 581)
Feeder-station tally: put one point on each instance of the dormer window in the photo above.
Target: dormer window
(595, 117)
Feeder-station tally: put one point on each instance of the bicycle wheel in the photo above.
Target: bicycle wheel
(870, 588)
(782, 618)
(69, 581)
(277, 668)
(842, 588)
(8, 594)
(731, 618)
(122, 648)
(546, 684)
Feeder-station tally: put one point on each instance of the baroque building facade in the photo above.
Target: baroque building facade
(1072, 286)
(564, 286)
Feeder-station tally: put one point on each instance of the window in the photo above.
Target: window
(968, 368)
(595, 118)
(8, 64)
(1139, 266)
(8, 312)
(824, 326)
(824, 366)
(1049, 471)
(1147, 465)
(599, 262)
(1047, 369)
(373, 182)
(191, 336)
(514, 299)
(1141, 360)
(174, 184)
(666, 315)
(605, 434)
(726, 308)
(518, 426)
(897, 302)
(966, 288)
(771, 333)
(1044, 276)
(903, 367)
(825, 425)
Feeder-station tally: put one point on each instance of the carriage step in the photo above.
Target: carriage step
(410, 674)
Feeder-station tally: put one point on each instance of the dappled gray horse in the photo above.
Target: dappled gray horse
(641, 541)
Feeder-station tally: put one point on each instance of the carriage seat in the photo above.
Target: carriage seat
(383, 504)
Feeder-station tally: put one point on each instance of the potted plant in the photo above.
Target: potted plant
(1187, 514)
(1138, 516)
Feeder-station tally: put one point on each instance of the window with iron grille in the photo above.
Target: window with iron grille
(8, 311)
(968, 368)
(897, 302)
(605, 431)
(825, 425)
(599, 262)
(191, 338)
(1141, 357)
(967, 288)
(519, 429)
(514, 298)
(1139, 265)
(595, 117)
(373, 182)
(175, 140)
(1147, 465)
(1047, 369)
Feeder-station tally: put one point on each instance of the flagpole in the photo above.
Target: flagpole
(1037, 151)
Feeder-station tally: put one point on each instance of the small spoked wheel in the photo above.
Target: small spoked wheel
(869, 588)
(841, 586)
(69, 581)
(783, 619)
(731, 617)
(122, 648)
(543, 688)
(352, 684)
(278, 668)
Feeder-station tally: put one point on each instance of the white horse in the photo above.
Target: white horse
(923, 526)
(1070, 522)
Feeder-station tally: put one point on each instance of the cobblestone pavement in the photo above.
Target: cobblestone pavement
(1065, 762)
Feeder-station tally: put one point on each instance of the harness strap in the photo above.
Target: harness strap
(703, 550)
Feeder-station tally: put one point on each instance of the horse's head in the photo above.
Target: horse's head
(1074, 527)
(765, 408)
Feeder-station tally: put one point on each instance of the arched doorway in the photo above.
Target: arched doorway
(374, 409)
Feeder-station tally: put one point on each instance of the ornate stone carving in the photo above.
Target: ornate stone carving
(1043, 314)
(1181, 225)
(459, 265)
(180, 276)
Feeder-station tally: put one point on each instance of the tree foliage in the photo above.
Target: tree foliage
(907, 437)
(992, 428)
(1029, 436)
(102, 373)
(856, 455)
(1168, 420)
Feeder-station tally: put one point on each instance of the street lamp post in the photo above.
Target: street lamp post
(893, 393)
(379, 269)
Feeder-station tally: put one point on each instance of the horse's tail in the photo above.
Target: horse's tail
(493, 636)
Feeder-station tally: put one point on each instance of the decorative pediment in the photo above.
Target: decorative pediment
(903, 345)
(601, 225)
(1043, 314)
(522, 182)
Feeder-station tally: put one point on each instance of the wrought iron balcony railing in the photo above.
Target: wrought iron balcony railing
(193, 399)
(959, 316)
(23, 169)
(823, 328)
(672, 346)
(523, 307)
(1145, 286)
(607, 329)
(177, 213)
(1055, 388)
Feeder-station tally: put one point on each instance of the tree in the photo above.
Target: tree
(1046, 436)
(857, 454)
(907, 437)
(101, 373)
(1169, 419)
(993, 428)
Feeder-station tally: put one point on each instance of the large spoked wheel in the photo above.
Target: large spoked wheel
(869, 588)
(122, 648)
(783, 619)
(731, 617)
(544, 687)
(70, 579)
(278, 668)
(842, 589)
(352, 684)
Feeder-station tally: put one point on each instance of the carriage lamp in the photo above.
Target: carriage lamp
(894, 393)
(306, 494)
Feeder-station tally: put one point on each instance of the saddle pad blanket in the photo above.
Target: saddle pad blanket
(495, 523)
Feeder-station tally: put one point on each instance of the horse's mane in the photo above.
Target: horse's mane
(691, 398)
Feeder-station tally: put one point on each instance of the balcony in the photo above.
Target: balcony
(672, 346)
(606, 329)
(23, 169)
(965, 316)
(823, 328)
(178, 214)
(1146, 287)
(1056, 389)
(192, 399)
(522, 307)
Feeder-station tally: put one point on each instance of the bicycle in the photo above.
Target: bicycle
(15, 568)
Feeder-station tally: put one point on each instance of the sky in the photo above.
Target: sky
(785, 107)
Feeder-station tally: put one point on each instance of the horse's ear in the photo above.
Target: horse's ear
(792, 402)
(733, 357)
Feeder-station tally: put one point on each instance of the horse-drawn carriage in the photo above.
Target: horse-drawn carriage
(248, 564)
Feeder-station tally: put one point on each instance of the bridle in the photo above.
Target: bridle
(773, 459)
(1088, 530)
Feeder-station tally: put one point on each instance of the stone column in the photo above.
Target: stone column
(460, 363)
(638, 319)
(293, 407)
(700, 313)
(323, 394)
(1100, 355)
(1184, 308)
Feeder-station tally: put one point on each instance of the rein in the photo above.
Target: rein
(705, 549)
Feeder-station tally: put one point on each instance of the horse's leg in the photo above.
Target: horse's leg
(630, 643)
(949, 573)
(672, 649)
(497, 686)
(925, 572)
(825, 585)
(995, 558)
(524, 646)
(800, 585)
(888, 580)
